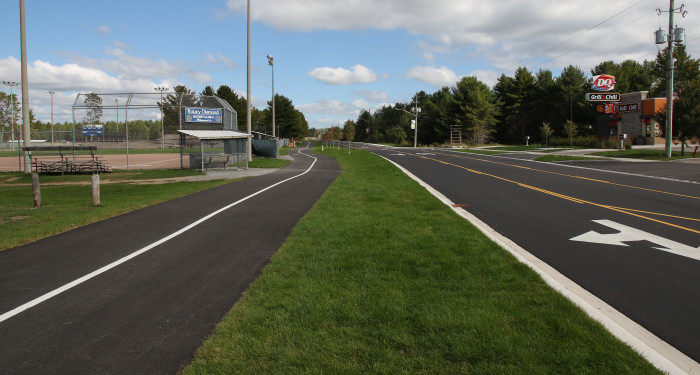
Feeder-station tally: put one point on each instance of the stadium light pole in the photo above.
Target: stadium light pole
(11, 84)
(271, 62)
(51, 92)
(162, 127)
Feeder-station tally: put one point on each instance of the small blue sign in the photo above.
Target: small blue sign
(92, 130)
(208, 115)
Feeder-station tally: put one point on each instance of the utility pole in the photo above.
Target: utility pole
(51, 92)
(674, 36)
(26, 135)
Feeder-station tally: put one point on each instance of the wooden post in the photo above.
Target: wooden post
(95, 189)
(36, 191)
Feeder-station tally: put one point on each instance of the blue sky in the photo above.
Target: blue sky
(333, 58)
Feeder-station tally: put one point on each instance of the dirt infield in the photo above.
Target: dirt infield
(136, 161)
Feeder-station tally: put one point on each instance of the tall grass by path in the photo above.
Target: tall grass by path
(380, 277)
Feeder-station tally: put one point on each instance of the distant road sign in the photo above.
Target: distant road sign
(600, 97)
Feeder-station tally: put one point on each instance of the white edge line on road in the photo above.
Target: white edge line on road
(658, 352)
(108, 267)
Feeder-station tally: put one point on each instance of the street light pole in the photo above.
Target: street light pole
(248, 99)
(415, 114)
(117, 100)
(271, 62)
(51, 92)
(11, 84)
(162, 127)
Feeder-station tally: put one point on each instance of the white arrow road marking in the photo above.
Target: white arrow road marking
(629, 234)
(397, 154)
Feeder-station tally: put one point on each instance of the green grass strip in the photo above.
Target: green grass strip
(647, 154)
(380, 277)
(555, 158)
(70, 206)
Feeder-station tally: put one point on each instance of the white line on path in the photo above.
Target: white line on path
(108, 267)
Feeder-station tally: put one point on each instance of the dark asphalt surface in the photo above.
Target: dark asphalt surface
(149, 314)
(657, 289)
(685, 170)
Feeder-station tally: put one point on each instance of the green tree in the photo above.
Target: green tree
(475, 109)
(349, 130)
(436, 117)
(546, 131)
(686, 114)
(93, 102)
(396, 135)
(570, 129)
(516, 95)
(573, 84)
(686, 71)
(237, 102)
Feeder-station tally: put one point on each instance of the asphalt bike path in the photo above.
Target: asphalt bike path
(138, 293)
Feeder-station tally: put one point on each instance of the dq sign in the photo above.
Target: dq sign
(603, 82)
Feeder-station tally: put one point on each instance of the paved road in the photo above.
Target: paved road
(148, 314)
(637, 237)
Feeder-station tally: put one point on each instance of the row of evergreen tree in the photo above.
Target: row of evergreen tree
(518, 106)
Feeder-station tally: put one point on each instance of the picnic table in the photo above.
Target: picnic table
(62, 159)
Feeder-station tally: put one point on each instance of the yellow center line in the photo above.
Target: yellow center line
(568, 175)
(628, 211)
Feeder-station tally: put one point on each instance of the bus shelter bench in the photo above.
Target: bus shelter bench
(212, 161)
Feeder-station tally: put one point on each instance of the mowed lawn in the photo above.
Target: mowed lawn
(380, 277)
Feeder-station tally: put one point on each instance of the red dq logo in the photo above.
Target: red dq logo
(604, 82)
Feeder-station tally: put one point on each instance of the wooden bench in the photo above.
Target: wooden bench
(210, 161)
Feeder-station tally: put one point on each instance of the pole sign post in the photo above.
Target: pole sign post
(206, 115)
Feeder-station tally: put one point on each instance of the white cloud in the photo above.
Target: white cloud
(104, 30)
(328, 107)
(342, 76)
(373, 96)
(442, 76)
(504, 34)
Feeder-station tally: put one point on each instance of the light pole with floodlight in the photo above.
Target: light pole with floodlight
(51, 92)
(162, 127)
(271, 62)
(11, 84)
(416, 110)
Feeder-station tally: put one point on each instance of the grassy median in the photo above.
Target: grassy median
(67, 200)
(380, 277)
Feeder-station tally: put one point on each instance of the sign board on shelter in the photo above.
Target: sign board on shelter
(206, 115)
